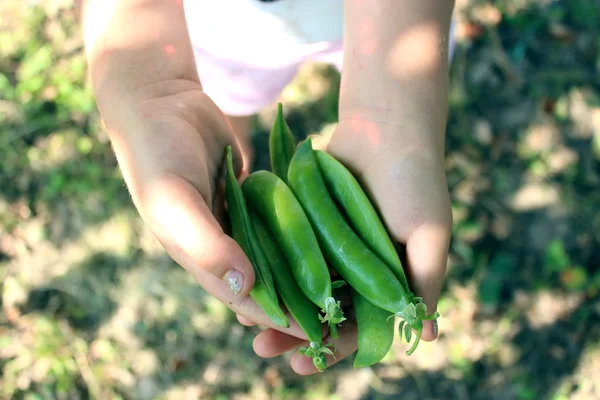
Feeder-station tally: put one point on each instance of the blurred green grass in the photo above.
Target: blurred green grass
(92, 307)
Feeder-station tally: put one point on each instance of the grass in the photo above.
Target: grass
(93, 308)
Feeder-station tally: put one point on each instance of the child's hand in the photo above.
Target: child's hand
(404, 175)
(171, 151)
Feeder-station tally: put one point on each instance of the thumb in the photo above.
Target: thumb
(183, 223)
(427, 253)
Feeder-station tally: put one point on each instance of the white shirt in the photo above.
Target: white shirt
(264, 34)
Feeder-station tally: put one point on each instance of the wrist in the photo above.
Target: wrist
(370, 136)
(396, 64)
(398, 128)
(419, 106)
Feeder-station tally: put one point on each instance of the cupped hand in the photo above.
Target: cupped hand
(403, 175)
(171, 152)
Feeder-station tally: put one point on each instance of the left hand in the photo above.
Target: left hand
(404, 176)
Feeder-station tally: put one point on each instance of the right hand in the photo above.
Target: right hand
(171, 148)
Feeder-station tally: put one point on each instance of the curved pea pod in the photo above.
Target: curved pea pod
(304, 311)
(375, 331)
(281, 145)
(276, 204)
(363, 217)
(341, 246)
(244, 234)
(345, 250)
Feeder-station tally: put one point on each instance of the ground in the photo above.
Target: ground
(93, 308)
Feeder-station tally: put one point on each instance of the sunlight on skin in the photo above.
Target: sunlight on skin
(413, 41)
(97, 16)
(355, 124)
(413, 56)
(360, 126)
(394, 71)
(136, 41)
(169, 49)
(175, 217)
(372, 131)
(368, 44)
(104, 31)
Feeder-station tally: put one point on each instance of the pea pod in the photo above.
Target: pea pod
(348, 193)
(304, 311)
(281, 145)
(243, 233)
(375, 331)
(345, 251)
(274, 201)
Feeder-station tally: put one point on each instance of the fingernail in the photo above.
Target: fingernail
(435, 327)
(234, 280)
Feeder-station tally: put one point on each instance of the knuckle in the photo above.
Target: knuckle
(241, 305)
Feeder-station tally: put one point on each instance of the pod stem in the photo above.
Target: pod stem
(317, 352)
(413, 315)
(333, 331)
(333, 315)
(416, 342)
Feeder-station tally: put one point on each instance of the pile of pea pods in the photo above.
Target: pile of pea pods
(301, 223)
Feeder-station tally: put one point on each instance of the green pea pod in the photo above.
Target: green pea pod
(348, 193)
(243, 233)
(375, 331)
(345, 250)
(274, 201)
(281, 145)
(304, 311)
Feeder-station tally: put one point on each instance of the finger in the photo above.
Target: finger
(243, 306)
(345, 344)
(427, 254)
(272, 343)
(243, 175)
(178, 209)
(245, 321)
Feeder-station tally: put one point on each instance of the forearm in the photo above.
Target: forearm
(396, 62)
(132, 46)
